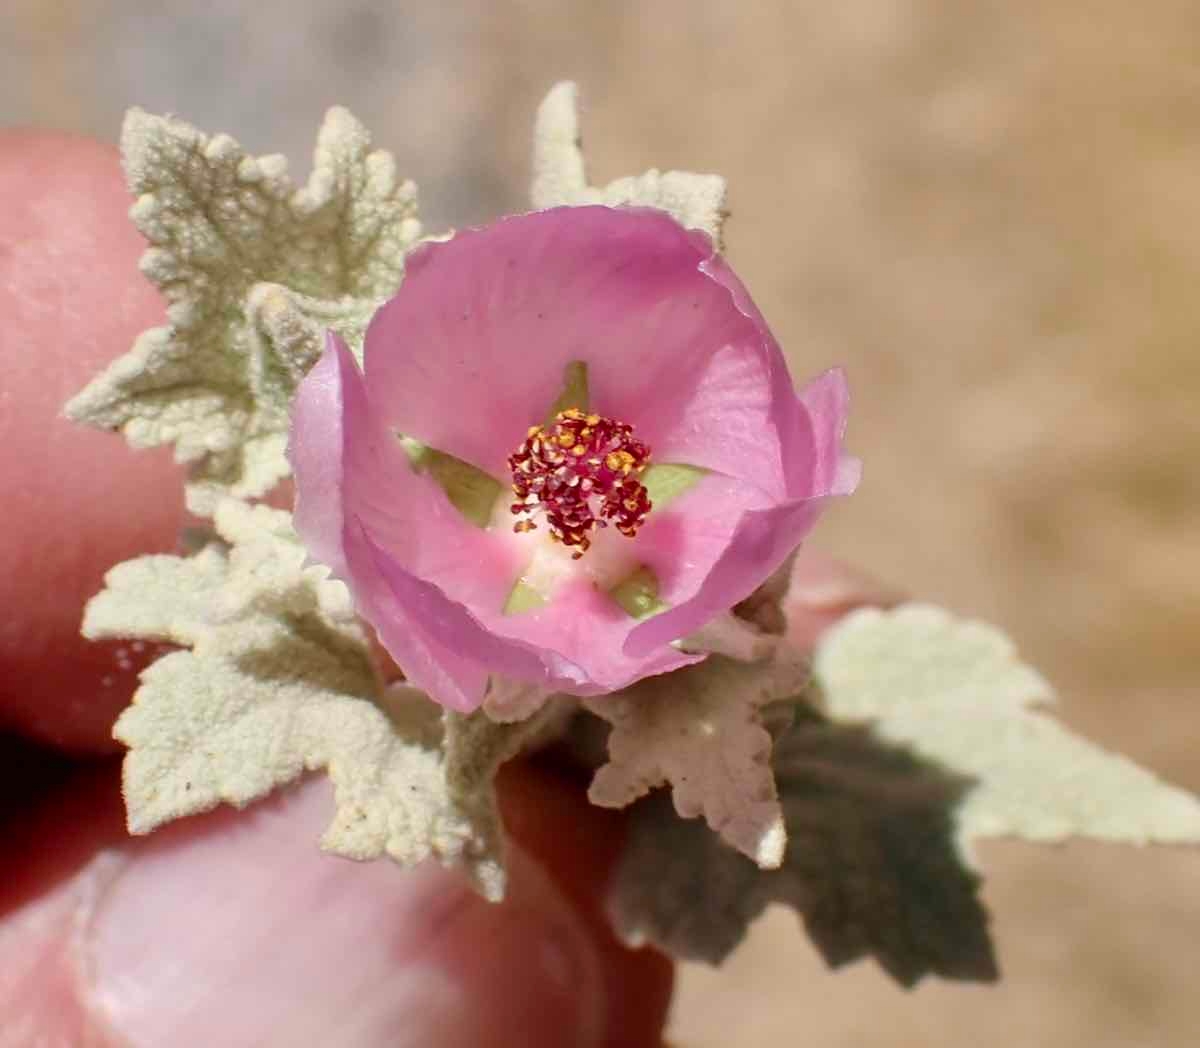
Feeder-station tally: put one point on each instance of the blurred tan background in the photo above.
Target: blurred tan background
(990, 213)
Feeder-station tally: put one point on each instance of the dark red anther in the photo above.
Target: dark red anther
(582, 472)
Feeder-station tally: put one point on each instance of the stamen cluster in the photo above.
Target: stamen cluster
(582, 472)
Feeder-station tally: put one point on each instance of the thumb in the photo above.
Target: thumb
(237, 931)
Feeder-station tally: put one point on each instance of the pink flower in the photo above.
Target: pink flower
(633, 350)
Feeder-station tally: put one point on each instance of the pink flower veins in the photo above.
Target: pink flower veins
(470, 358)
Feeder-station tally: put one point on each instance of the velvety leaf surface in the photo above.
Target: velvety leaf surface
(956, 693)
(253, 270)
(701, 730)
(872, 864)
(278, 679)
(560, 175)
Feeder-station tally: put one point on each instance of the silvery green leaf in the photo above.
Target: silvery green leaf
(560, 175)
(278, 679)
(872, 866)
(701, 730)
(253, 270)
(956, 693)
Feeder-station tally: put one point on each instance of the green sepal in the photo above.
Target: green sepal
(575, 392)
(472, 492)
(666, 481)
(637, 594)
(523, 598)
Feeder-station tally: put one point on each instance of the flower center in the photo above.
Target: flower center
(582, 472)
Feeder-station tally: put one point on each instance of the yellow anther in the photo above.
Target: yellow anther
(619, 460)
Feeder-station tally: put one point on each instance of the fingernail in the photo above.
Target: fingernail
(244, 934)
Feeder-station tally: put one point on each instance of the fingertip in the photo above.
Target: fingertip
(641, 984)
(76, 500)
(270, 941)
(547, 811)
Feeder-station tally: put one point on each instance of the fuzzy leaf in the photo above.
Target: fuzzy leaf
(701, 730)
(279, 680)
(253, 271)
(956, 692)
(872, 865)
(560, 176)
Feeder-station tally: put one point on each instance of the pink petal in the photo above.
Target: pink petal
(823, 467)
(809, 429)
(316, 448)
(714, 546)
(407, 556)
(582, 635)
(472, 350)
(347, 464)
(760, 543)
(441, 647)
(681, 542)
(469, 354)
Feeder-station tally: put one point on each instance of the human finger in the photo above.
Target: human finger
(233, 929)
(76, 501)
